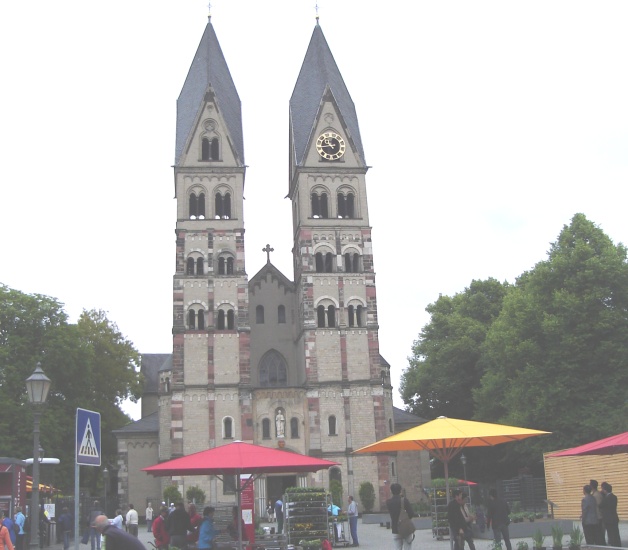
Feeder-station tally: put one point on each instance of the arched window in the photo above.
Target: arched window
(225, 264)
(190, 267)
(259, 315)
(331, 316)
(223, 206)
(320, 316)
(205, 149)
(200, 266)
(197, 206)
(200, 319)
(221, 266)
(230, 320)
(220, 320)
(324, 262)
(294, 428)
(227, 428)
(266, 428)
(392, 468)
(319, 205)
(191, 319)
(215, 149)
(345, 205)
(355, 316)
(273, 370)
(390, 425)
(332, 425)
(229, 265)
(352, 262)
(281, 314)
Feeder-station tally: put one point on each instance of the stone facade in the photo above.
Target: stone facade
(284, 363)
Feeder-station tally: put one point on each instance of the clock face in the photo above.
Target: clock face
(330, 146)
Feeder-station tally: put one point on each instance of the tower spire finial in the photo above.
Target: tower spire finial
(316, 8)
(209, 11)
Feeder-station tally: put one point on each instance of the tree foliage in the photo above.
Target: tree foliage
(172, 494)
(195, 494)
(549, 352)
(91, 366)
(445, 364)
(557, 356)
(367, 495)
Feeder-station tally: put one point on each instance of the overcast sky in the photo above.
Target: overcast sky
(488, 125)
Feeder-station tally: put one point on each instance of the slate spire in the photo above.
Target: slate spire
(319, 76)
(209, 73)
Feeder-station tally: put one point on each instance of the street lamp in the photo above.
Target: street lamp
(37, 386)
(463, 459)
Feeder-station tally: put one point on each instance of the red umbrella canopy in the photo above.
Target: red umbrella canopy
(607, 446)
(239, 458)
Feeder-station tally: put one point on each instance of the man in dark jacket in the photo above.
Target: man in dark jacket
(394, 505)
(457, 523)
(178, 525)
(497, 518)
(609, 515)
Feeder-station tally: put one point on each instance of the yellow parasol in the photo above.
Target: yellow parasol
(445, 437)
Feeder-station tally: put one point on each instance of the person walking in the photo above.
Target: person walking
(8, 523)
(457, 523)
(468, 521)
(149, 517)
(20, 520)
(497, 518)
(195, 522)
(65, 524)
(162, 537)
(609, 515)
(589, 515)
(352, 512)
(207, 532)
(5, 536)
(178, 525)
(94, 536)
(132, 520)
(394, 505)
(600, 537)
(116, 539)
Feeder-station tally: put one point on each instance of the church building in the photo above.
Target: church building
(285, 363)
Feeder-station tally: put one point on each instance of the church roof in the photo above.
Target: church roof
(209, 68)
(405, 420)
(319, 73)
(148, 424)
(260, 276)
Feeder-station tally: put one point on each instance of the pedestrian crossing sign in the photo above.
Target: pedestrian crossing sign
(87, 438)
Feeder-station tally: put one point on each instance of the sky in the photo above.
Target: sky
(487, 126)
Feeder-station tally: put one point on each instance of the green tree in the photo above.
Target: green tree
(195, 494)
(172, 494)
(367, 495)
(446, 359)
(335, 488)
(557, 356)
(91, 366)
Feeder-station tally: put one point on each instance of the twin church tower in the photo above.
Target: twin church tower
(279, 363)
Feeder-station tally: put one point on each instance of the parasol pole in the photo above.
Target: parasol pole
(239, 518)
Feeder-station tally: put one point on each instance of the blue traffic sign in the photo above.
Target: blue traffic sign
(87, 438)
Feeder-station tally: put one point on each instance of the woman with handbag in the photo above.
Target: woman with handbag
(401, 513)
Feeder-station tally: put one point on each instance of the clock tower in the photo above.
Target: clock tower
(349, 393)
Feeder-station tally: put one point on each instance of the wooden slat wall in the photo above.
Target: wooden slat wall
(565, 476)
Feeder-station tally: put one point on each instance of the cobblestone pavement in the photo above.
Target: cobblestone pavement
(375, 537)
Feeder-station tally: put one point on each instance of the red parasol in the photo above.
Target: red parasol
(607, 446)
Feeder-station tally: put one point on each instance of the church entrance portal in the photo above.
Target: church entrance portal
(276, 486)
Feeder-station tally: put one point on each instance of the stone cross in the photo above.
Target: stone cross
(268, 250)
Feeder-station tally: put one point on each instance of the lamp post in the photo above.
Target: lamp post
(463, 459)
(37, 386)
(105, 475)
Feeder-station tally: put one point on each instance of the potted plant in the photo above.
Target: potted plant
(557, 537)
(531, 517)
(522, 545)
(495, 545)
(538, 540)
(577, 537)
